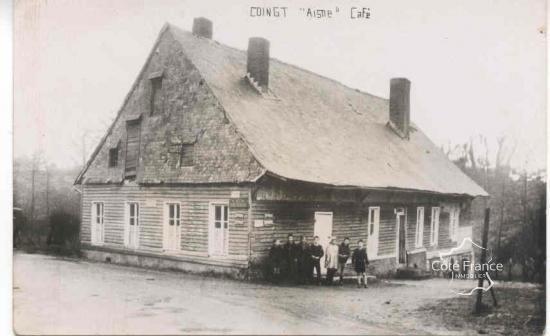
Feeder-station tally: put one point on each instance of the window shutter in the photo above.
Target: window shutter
(92, 225)
(133, 132)
(165, 219)
(126, 221)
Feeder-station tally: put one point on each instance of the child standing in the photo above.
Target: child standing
(343, 256)
(360, 260)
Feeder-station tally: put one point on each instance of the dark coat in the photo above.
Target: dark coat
(343, 253)
(276, 256)
(291, 252)
(316, 253)
(303, 253)
(360, 260)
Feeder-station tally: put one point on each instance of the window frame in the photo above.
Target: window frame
(134, 217)
(419, 230)
(454, 221)
(434, 225)
(176, 220)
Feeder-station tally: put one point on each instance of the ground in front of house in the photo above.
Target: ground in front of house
(69, 296)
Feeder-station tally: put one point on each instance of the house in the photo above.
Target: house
(217, 151)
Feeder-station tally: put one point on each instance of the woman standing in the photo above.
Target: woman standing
(331, 260)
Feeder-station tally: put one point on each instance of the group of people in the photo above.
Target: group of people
(297, 261)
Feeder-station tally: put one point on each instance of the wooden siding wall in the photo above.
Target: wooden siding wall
(349, 220)
(444, 239)
(194, 217)
(387, 233)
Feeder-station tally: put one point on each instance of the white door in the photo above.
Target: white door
(172, 227)
(373, 224)
(323, 229)
(132, 225)
(219, 229)
(97, 223)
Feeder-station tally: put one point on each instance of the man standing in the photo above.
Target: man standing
(343, 256)
(291, 259)
(303, 260)
(316, 253)
(275, 260)
(360, 260)
(331, 260)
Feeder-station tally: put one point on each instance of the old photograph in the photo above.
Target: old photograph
(279, 167)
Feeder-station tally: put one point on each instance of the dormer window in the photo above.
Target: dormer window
(157, 97)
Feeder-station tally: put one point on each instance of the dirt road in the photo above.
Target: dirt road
(57, 296)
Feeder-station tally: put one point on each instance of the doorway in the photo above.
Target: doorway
(172, 227)
(401, 217)
(132, 225)
(323, 229)
(219, 229)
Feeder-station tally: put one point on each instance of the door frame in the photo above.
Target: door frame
(377, 229)
(165, 225)
(404, 216)
(93, 224)
(127, 224)
(324, 213)
(211, 220)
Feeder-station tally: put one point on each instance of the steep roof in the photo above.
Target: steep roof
(317, 130)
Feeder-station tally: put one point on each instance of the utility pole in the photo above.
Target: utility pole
(34, 165)
(48, 192)
(481, 276)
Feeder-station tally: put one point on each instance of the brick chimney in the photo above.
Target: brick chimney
(202, 27)
(257, 64)
(400, 106)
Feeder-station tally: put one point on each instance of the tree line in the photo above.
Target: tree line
(517, 229)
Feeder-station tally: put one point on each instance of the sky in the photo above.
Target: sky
(477, 67)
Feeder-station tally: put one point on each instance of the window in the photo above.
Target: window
(133, 218)
(133, 133)
(174, 214)
(219, 220)
(157, 98)
(453, 222)
(187, 153)
(113, 157)
(97, 223)
(419, 232)
(434, 226)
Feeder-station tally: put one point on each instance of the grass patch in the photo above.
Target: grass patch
(521, 311)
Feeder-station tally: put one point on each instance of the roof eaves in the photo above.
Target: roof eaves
(391, 189)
